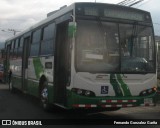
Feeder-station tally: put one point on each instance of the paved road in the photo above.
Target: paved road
(19, 106)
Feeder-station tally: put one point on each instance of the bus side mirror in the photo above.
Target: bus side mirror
(72, 29)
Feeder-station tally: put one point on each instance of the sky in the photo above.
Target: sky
(21, 14)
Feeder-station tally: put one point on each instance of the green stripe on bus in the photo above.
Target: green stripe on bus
(115, 85)
(38, 67)
(124, 86)
(71, 30)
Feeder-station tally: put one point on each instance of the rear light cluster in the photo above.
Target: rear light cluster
(83, 92)
(148, 91)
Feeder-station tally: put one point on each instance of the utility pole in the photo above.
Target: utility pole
(14, 31)
(10, 30)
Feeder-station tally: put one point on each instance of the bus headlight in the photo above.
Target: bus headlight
(148, 91)
(83, 92)
(87, 93)
(79, 91)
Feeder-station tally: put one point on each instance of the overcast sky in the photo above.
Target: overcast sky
(21, 14)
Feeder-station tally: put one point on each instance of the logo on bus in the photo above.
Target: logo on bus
(104, 89)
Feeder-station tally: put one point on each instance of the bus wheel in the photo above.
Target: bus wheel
(44, 96)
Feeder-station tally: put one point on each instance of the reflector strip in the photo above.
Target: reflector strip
(84, 105)
(147, 104)
(117, 105)
(119, 101)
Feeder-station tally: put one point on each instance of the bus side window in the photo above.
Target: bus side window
(12, 49)
(20, 48)
(47, 40)
(8, 50)
(16, 48)
(36, 37)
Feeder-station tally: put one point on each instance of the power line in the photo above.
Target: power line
(135, 3)
(123, 2)
(144, 3)
(129, 2)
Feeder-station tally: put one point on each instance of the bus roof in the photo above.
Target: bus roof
(64, 10)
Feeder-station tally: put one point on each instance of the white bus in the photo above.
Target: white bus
(87, 55)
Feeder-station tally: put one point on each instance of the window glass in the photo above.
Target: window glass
(20, 47)
(19, 52)
(36, 36)
(97, 45)
(34, 49)
(21, 42)
(11, 53)
(137, 48)
(49, 32)
(16, 43)
(8, 50)
(13, 44)
(100, 47)
(47, 47)
(48, 40)
(15, 53)
(12, 48)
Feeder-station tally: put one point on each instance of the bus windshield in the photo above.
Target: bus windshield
(114, 47)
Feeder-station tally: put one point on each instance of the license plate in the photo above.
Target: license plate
(148, 101)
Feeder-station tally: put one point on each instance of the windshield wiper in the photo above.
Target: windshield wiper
(133, 36)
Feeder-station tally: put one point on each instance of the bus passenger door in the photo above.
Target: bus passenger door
(61, 72)
(25, 55)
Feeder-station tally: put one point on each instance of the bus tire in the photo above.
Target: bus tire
(44, 96)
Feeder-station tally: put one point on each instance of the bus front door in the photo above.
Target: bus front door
(61, 65)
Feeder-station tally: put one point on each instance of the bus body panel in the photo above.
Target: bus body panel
(41, 66)
(95, 82)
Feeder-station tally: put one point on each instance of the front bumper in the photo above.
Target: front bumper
(78, 101)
